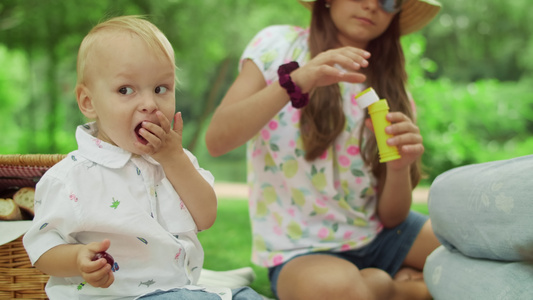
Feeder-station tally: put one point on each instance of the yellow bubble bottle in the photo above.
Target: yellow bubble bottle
(378, 110)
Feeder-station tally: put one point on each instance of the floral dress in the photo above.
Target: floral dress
(297, 206)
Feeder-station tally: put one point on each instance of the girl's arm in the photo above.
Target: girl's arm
(395, 197)
(247, 106)
(395, 186)
(249, 103)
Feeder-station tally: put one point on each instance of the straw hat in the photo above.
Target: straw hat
(415, 14)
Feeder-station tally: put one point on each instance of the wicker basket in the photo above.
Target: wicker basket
(18, 279)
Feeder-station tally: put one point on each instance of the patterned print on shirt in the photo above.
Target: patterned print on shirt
(73, 197)
(148, 283)
(115, 203)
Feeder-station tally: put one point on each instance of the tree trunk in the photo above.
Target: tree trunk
(210, 104)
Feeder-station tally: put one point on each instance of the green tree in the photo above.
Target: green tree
(474, 57)
(478, 39)
(207, 36)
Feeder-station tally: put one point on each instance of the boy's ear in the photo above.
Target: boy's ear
(85, 103)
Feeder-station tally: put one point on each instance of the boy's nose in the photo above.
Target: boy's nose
(148, 104)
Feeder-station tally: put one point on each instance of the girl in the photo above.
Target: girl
(328, 220)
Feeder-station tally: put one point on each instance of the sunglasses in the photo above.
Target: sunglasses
(391, 6)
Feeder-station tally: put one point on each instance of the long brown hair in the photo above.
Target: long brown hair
(323, 118)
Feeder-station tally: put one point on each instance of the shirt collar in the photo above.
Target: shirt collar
(102, 152)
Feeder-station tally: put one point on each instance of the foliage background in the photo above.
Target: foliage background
(471, 72)
(471, 75)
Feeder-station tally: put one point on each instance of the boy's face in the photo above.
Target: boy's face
(126, 83)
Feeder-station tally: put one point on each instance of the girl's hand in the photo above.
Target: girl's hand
(321, 70)
(406, 137)
(162, 139)
(96, 273)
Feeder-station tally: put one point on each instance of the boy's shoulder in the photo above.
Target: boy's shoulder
(66, 167)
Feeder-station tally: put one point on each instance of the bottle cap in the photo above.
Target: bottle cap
(366, 97)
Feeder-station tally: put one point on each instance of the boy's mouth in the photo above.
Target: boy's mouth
(139, 137)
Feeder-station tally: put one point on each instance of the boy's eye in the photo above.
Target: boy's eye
(160, 90)
(125, 90)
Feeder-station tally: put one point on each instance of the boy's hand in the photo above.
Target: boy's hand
(96, 273)
(162, 139)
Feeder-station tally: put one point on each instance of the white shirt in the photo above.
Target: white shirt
(101, 191)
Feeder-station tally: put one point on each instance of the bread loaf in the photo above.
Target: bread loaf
(24, 198)
(9, 211)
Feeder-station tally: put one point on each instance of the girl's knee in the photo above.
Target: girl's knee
(325, 277)
(323, 287)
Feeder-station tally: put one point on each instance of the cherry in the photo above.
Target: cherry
(105, 255)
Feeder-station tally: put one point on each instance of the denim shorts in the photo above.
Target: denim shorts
(386, 252)
(243, 293)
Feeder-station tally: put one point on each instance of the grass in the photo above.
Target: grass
(227, 244)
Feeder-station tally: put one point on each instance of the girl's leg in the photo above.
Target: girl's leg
(330, 277)
(425, 243)
(414, 262)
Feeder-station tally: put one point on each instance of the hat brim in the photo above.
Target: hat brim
(415, 14)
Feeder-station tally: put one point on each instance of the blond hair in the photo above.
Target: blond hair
(137, 25)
